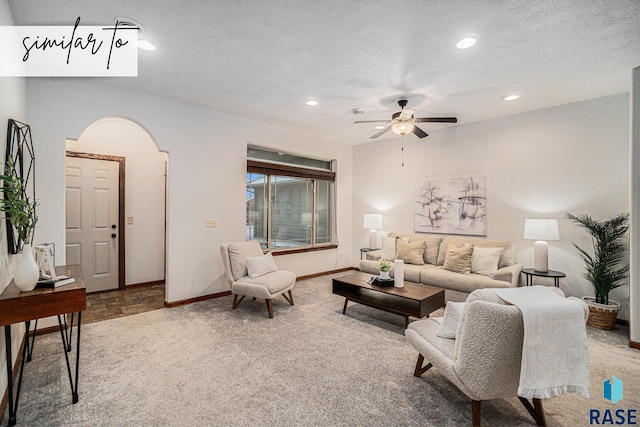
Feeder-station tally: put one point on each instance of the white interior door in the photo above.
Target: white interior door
(92, 219)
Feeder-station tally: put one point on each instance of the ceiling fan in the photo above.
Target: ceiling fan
(403, 122)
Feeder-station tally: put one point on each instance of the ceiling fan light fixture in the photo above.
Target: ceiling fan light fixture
(466, 43)
(402, 128)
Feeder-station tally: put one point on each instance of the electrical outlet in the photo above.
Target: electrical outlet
(210, 223)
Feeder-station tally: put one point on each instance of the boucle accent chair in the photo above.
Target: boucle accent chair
(484, 359)
(266, 286)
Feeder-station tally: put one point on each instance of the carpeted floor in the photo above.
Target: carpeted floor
(207, 365)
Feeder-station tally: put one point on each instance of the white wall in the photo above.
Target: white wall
(634, 321)
(144, 191)
(12, 106)
(542, 164)
(207, 166)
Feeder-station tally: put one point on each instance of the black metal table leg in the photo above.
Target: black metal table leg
(75, 393)
(13, 405)
(7, 345)
(68, 334)
(65, 344)
(33, 341)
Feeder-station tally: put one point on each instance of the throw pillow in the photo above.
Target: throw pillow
(452, 313)
(388, 248)
(410, 253)
(238, 253)
(458, 260)
(485, 260)
(261, 265)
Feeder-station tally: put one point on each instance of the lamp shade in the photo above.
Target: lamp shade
(541, 229)
(402, 128)
(372, 221)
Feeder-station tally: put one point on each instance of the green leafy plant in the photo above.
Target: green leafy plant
(385, 265)
(17, 207)
(603, 268)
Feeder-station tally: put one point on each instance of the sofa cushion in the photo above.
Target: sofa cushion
(506, 258)
(412, 272)
(485, 260)
(458, 260)
(238, 253)
(459, 282)
(410, 253)
(432, 246)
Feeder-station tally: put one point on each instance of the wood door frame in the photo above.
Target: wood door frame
(121, 219)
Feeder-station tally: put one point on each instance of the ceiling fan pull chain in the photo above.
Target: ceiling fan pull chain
(402, 150)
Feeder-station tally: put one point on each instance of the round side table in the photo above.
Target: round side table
(530, 272)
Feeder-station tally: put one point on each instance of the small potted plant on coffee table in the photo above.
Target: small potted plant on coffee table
(385, 265)
(604, 269)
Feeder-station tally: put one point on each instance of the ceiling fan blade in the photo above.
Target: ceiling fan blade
(382, 132)
(436, 120)
(372, 121)
(419, 132)
(407, 113)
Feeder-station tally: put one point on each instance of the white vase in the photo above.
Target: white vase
(398, 277)
(27, 271)
(384, 274)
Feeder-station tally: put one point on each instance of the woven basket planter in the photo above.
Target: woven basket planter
(602, 316)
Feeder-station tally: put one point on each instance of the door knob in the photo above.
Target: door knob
(113, 235)
(113, 226)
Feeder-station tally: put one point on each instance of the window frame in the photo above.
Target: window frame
(270, 170)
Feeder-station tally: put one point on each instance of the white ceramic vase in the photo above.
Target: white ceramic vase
(384, 274)
(27, 271)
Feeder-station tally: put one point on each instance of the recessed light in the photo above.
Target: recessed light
(379, 127)
(312, 102)
(466, 43)
(146, 45)
(511, 97)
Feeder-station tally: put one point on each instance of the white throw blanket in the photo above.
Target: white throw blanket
(555, 358)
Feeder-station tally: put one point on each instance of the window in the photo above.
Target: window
(289, 200)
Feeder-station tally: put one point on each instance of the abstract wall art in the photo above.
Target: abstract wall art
(451, 206)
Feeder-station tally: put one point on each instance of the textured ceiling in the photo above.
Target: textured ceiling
(263, 59)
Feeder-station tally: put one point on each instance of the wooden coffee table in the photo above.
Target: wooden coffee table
(414, 299)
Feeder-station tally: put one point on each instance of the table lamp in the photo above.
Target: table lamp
(541, 230)
(372, 222)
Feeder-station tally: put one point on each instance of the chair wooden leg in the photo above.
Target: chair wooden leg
(290, 298)
(236, 301)
(535, 410)
(419, 369)
(270, 308)
(476, 414)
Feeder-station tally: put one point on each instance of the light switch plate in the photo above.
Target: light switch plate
(210, 223)
(129, 220)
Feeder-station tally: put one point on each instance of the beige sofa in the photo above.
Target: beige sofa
(457, 286)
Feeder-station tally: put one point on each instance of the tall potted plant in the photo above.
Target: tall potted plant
(604, 269)
(21, 213)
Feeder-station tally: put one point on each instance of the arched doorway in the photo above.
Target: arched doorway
(139, 222)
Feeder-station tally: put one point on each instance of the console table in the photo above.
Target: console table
(16, 307)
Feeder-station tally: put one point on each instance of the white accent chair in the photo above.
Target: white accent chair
(267, 286)
(483, 361)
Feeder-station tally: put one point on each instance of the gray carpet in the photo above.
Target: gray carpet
(205, 364)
